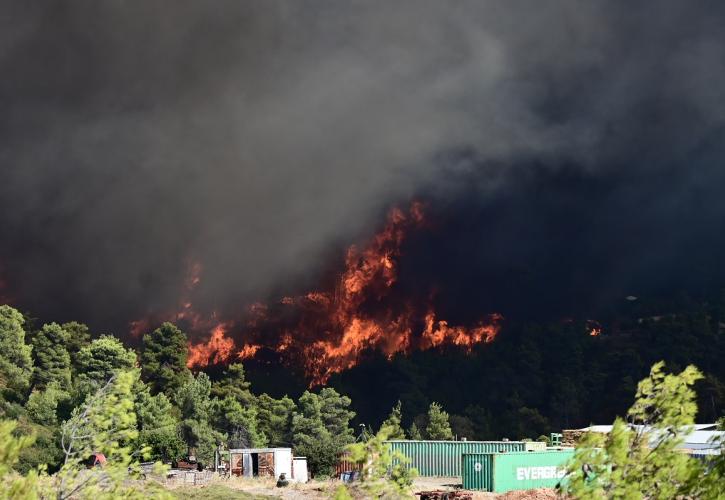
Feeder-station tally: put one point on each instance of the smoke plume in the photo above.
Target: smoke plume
(261, 137)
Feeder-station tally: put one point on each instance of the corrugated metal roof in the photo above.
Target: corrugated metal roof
(700, 438)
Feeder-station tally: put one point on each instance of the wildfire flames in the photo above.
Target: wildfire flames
(594, 328)
(331, 329)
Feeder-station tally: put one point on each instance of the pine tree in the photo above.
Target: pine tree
(79, 336)
(414, 432)
(275, 419)
(438, 426)
(163, 359)
(52, 360)
(321, 428)
(233, 383)
(101, 360)
(158, 425)
(193, 399)
(238, 423)
(393, 423)
(16, 363)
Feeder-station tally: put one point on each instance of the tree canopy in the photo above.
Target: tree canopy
(16, 363)
(438, 427)
(52, 360)
(163, 359)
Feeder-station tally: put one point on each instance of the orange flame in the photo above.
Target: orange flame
(594, 328)
(334, 328)
(217, 349)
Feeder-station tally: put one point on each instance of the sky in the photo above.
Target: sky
(568, 152)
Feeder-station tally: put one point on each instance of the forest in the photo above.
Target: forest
(532, 380)
(53, 375)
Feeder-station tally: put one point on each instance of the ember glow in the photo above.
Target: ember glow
(329, 330)
(594, 328)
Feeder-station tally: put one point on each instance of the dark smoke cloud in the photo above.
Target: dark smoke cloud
(252, 136)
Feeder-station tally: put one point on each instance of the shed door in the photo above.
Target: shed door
(247, 465)
(237, 464)
(266, 464)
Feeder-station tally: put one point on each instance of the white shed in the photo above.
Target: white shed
(250, 462)
(299, 470)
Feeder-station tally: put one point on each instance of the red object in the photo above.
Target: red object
(96, 460)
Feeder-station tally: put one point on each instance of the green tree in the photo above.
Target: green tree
(79, 336)
(11, 448)
(336, 415)
(101, 360)
(193, 399)
(321, 429)
(16, 364)
(638, 458)
(105, 423)
(163, 359)
(275, 419)
(238, 423)
(438, 427)
(45, 453)
(414, 432)
(385, 474)
(233, 383)
(52, 361)
(392, 423)
(158, 425)
(42, 405)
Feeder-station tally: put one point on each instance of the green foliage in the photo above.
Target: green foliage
(193, 399)
(11, 447)
(384, 473)
(274, 417)
(45, 452)
(321, 429)
(638, 459)
(158, 425)
(52, 361)
(105, 423)
(42, 405)
(544, 439)
(233, 383)
(341, 493)
(438, 426)
(79, 336)
(393, 423)
(414, 432)
(336, 414)
(16, 364)
(163, 359)
(101, 360)
(238, 423)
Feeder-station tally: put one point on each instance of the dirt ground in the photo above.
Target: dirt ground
(319, 490)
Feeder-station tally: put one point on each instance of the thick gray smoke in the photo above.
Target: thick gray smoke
(252, 136)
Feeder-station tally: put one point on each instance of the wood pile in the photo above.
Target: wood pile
(571, 437)
(444, 495)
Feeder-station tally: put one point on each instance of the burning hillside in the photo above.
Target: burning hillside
(327, 331)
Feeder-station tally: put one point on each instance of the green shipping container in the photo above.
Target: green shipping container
(443, 458)
(502, 472)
